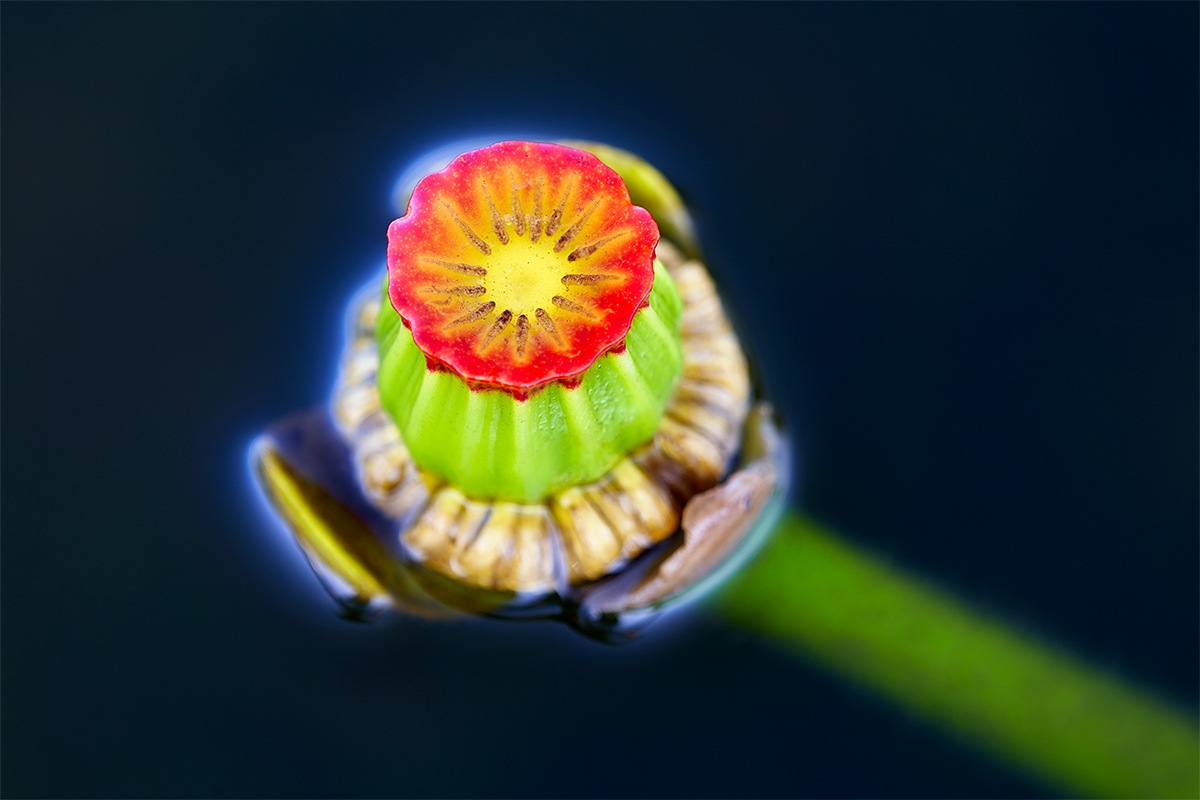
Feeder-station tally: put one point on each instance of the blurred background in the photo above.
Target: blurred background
(961, 241)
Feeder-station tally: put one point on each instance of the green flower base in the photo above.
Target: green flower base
(494, 445)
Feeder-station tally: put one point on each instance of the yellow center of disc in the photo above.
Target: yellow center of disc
(523, 278)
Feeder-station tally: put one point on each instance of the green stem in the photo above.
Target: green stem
(1042, 710)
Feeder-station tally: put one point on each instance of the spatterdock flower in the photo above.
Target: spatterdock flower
(539, 413)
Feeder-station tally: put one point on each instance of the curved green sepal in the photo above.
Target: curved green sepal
(329, 534)
(493, 445)
(343, 550)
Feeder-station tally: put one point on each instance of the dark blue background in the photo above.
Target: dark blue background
(962, 240)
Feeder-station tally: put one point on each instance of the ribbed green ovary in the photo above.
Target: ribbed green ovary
(493, 446)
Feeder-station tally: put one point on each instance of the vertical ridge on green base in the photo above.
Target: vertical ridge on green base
(494, 445)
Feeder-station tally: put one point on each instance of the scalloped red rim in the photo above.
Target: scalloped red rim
(521, 263)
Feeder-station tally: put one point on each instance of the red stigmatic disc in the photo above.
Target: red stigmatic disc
(520, 264)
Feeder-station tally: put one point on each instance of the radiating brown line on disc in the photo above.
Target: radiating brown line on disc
(568, 305)
(497, 220)
(457, 266)
(548, 324)
(460, 291)
(522, 333)
(535, 218)
(497, 326)
(471, 235)
(556, 215)
(573, 231)
(588, 280)
(587, 249)
(517, 211)
(481, 310)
